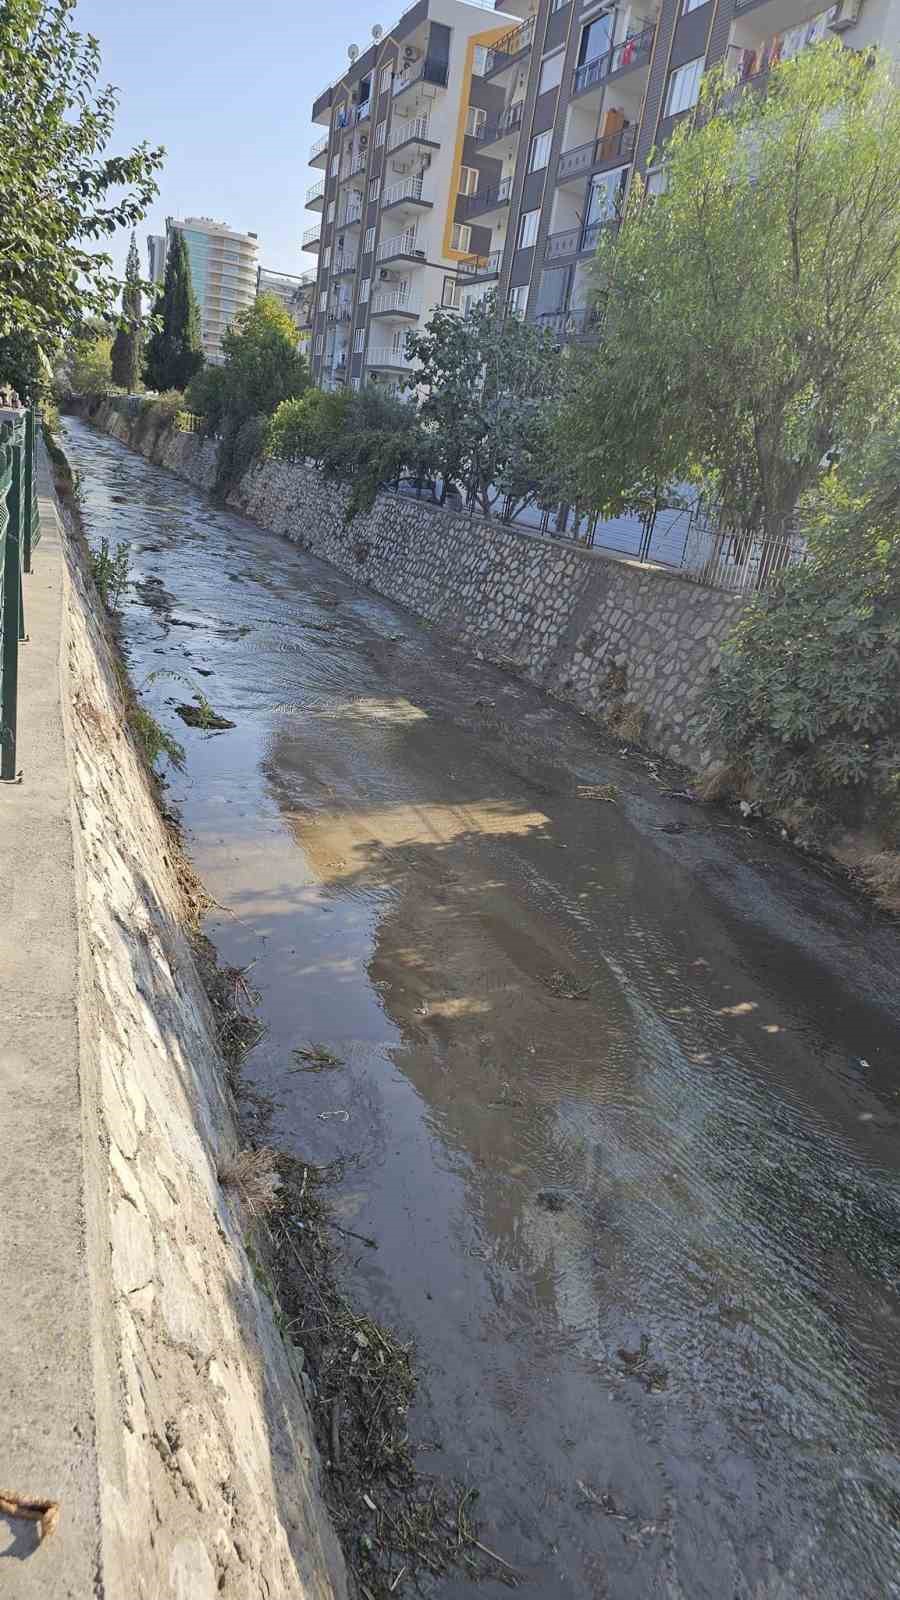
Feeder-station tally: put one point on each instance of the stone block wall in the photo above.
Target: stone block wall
(629, 645)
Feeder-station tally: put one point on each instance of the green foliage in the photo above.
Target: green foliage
(61, 191)
(806, 698)
(152, 740)
(207, 396)
(87, 368)
(173, 352)
(263, 365)
(487, 384)
(751, 312)
(240, 444)
(23, 365)
(126, 350)
(363, 440)
(110, 572)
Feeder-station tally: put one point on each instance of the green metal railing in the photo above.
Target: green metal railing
(20, 531)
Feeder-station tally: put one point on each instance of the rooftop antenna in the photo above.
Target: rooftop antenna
(353, 52)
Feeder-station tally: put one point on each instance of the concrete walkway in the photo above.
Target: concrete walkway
(46, 1379)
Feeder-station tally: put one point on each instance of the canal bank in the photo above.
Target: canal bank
(611, 1082)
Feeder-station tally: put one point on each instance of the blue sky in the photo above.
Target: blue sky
(227, 88)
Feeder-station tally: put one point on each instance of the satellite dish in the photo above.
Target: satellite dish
(353, 51)
(377, 31)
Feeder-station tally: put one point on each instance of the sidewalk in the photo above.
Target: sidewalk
(47, 1447)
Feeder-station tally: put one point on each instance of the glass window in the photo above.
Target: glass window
(374, 188)
(451, 295)
(461, 237)
(329, 215)
(381, 133)
(540, 150)
(606, 191)
(553, 290)
(518, 300)
(557, 5)
(475, 120)
(468, 180)
(551, 72)
(335, 163)
(528, 228)
(359, 339)
(326, 256)
(386, 75)
(370, 239)
(320, 343)
(596, 39)
(691, 5)
(364, 288)
(323, 299)
(478, 60)
(684, 87)
(658, 181)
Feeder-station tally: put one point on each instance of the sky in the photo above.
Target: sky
(227, 88)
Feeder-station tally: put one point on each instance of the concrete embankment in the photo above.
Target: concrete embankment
(145, 1386)
(629, 645)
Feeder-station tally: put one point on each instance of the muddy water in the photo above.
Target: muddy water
(618, 1092)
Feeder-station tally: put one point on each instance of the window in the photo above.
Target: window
(364, 288)
(551, 72)
(605, 195)
(461, 237)
(326, 256)
(320, 343)
(691, 5)
(658, 181)
(381, 133)
(540, 150)
(387, 74)
(596, 39)
(370, 239)
(684, 87)
(517, 300)
(329, 215)
(374, 188)
(468, 180)
(359, 339)
(451, 295)
(528, 228)
(557, 5)
(475, 121)
(335, 163)
(323, 299)
(355, 383)
(479, 59)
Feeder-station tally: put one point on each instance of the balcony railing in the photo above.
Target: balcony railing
(488, 199)
(341, 311)
(399, 300)
(581, 240)
(430, 72)
(408, 189)
(506, 49)
(477, 267)
(386, 356)
(632, 52)
(354, 164)
(408, 130)
(349, 214)
(400, 244)
(312, 235)
(344, 263)
(569, 326)
(315, 192)
(616, 146)
(318, 148)
(509, 121)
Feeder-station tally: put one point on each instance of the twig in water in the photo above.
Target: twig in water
(372, 1243)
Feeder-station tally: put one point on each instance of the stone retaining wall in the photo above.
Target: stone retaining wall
(631, 646)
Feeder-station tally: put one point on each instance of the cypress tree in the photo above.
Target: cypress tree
(174, 352)
(126, 350)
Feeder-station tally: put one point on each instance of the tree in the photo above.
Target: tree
(88, 365)
(751, 311)
(173, 352)
(60, 190)
(23, 365)
(126, 350)
(263, 365)
(487, 383)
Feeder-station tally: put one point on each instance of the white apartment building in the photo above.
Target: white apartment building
(223, 273)
(388, 233)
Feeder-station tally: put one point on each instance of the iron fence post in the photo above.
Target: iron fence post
(11, 578)
(28, 491)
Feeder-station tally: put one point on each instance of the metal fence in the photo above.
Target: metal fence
(20, 531)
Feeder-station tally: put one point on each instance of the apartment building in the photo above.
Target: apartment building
(223, 273)
(500, 148)
(388, 236)
(297, 295)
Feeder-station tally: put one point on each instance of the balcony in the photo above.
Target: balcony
(406, 193)
(315, 196)
(491, 199)
(509, 122)
(351, 211)
(312, 238)
(389, 359)
(571, 326)
(625, 57)
(394, 303)
(343, 264)
(430, 72)
(411, 130)
(341, 311)
(353, 165)
(403, 244)
(318, 153)
(508, 49)
(593, 157)
(579, 241)
(478, 269)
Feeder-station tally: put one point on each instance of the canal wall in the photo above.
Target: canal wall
(155, 1399)
(631, 646)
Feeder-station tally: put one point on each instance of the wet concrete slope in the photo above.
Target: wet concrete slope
(618, 1092)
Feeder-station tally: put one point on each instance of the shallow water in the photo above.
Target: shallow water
(619, 1093)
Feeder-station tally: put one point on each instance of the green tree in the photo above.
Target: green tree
(487, 385)
(88, 364)
(173, 353)
(22, 364)
(126, 350)
(262, 365)
(751, 311)
(60, 190)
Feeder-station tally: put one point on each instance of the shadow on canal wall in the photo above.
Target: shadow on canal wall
(210, 1481)
(630, 646)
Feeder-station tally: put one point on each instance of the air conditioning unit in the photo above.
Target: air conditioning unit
(848, 14)
(384, 276)
(410, 53)
(363, 140)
